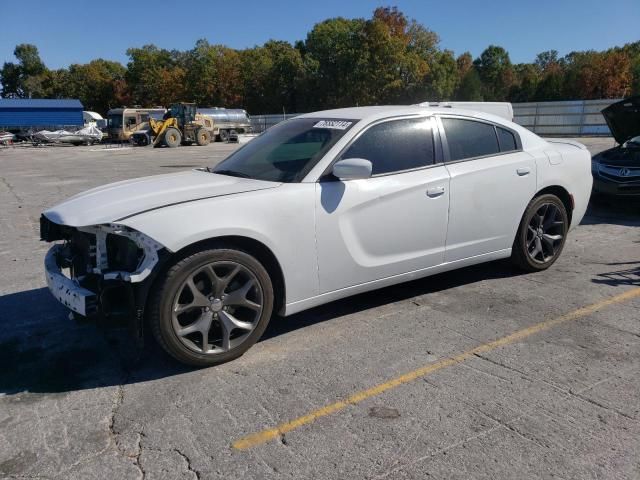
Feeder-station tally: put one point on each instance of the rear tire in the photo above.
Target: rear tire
(541, 235)
(225, 315)
(172, 137)
(203, 137)
(224, 135)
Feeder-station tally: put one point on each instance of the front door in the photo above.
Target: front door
(392, 223)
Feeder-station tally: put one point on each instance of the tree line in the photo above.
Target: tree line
(386, 59)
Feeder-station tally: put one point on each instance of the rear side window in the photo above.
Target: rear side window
(395, 145)
(507, 140)
(468, 138)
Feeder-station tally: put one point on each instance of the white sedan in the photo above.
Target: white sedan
(319, 207)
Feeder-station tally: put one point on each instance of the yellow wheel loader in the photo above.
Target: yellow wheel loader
(181, 125)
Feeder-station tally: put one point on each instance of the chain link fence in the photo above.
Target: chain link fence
(259, 123)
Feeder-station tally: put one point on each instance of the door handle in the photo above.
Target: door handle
(522, 171)
(434, 192)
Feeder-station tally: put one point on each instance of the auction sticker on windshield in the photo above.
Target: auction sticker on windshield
(334, 124)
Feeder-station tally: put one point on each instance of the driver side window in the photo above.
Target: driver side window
(395, 146)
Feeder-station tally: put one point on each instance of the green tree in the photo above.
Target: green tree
(213, 75)
(470, 88)
(55, 84)
(551, 85)
(333, 63)
(146, 71)
(256, 67)
(284, 75)
(442, 80)
(496, 72)
(546, 59)
(97, 84)
(386, 59)
(424, 63)
(382, 72)
(228, 91)
(526, 83)
(29, 59)
(10, 77)
(201, 73)
(23, 79)
(551, 76)
(422, 41)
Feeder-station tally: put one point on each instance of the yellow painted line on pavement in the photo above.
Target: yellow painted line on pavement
(272, 433)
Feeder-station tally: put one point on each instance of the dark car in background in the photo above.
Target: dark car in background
(617, 171)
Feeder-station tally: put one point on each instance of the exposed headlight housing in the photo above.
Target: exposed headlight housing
(122, 253)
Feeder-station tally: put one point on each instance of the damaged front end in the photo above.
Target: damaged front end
(103, 271)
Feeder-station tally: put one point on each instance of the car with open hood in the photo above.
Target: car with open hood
(317, 208)
(616, 171)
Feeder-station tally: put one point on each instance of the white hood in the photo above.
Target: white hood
(116, 201)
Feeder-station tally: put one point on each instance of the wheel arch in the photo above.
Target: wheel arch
(564, 196)
(259, 250)
(560, 192)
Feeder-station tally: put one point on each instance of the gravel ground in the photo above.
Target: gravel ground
(559, 399)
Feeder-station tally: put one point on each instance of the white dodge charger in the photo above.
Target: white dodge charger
(320, 207)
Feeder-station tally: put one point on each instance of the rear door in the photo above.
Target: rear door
(492, 182)
(392, 223)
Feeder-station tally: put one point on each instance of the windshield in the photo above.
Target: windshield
(115, 121)
(287, 151)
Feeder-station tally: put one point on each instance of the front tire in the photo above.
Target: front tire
(172, 137)
(203, 137)
(211, 306)
(541, 235)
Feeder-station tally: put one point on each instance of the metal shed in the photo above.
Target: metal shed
(22, 113)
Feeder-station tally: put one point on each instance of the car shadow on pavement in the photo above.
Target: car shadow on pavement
(42, 351)
(392, 294)
(626, 276)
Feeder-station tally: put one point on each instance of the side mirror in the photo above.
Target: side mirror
(352, 169)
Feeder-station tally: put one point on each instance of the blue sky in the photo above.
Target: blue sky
(75, 32)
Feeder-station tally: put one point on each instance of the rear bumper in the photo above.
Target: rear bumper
(64, 289)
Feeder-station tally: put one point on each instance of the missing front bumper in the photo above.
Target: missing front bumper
(102, 283)
(65, 290)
